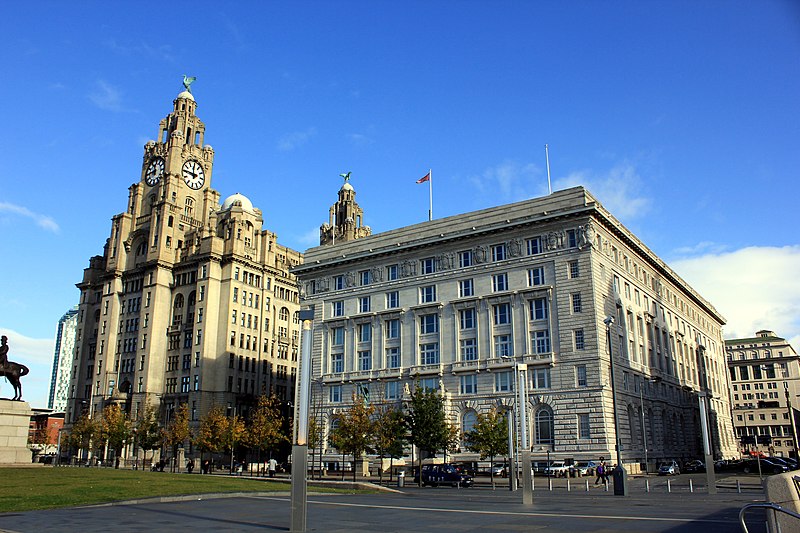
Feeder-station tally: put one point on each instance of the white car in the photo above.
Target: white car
(498, 469)
(557, 469)
(670, 468)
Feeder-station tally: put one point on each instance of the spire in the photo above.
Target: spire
(345, 217)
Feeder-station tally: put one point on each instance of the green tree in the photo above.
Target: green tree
(388, 435)
(116, 430)
(233, 431)
(209, 437)
(148, 432)
(177, 431)
(353, 434)
(84, 433)
(265, 429)
(427, 423)
(489, 436)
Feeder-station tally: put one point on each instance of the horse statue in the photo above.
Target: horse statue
(12, 372)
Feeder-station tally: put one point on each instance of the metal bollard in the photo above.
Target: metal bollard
(647, 485)
(691, 486)
(549, 484)
(568, 489)
(587, 485)
(669, 485)
(605, 485)
(738, 487)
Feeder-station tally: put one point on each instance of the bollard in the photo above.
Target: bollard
(605, 485)
(568, 489)
(669, 485)
(738, 487)
(587, 485)
(647, 485)
(550, 484)
(691, 486)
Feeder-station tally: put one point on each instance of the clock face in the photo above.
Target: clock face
(193, 174)
(154, 171)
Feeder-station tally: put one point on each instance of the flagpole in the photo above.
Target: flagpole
(547, 156)
(430, 194)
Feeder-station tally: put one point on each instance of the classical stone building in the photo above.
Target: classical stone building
(765, 384)
(453, 304)
(63, 361)
(192, 300)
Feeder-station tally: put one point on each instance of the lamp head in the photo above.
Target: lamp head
(608, 320)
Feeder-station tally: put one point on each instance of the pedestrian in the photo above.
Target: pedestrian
(190, 466)
(273, 466)
(205, 467)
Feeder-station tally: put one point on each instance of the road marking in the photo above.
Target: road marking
(509, 513)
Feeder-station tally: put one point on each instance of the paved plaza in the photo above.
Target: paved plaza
(423, 509)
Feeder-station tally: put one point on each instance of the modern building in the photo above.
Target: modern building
(456, 304)
(63, 360)
(765, 384)
(192, 300)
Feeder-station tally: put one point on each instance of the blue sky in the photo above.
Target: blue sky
(682, 117)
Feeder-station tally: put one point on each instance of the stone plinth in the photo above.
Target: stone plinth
(15, 419)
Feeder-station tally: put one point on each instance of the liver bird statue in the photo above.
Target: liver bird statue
(346, 176)
(187, 81)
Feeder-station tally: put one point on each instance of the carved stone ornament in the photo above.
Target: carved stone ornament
(514, 247)
(586, 235)
(554, 240)
(408, 268)
(376, 274)
(446, 261)
(480, 253)
(350, 279)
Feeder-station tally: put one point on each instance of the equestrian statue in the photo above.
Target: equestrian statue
(12, 371)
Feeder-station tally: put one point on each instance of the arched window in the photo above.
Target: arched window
(543, 426)
(296, 317)
(188, 207)
(284, 314)
(468, 421)
(178, 302)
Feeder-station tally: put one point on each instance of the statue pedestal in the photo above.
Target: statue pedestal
(15, 420)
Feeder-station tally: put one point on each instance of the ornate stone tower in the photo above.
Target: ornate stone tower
(346, 218)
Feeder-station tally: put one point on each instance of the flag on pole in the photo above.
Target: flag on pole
(426, 177)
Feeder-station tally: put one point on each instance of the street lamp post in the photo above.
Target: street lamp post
(704, 400)
(299, 493)
(620, 475)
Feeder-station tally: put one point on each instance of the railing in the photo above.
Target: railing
(775, 509)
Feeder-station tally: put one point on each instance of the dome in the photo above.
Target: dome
(347, 187)
(187, 95)
(239, 200)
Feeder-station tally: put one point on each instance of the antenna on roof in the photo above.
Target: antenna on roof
(547, 157)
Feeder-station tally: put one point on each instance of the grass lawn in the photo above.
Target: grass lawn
(28, 489)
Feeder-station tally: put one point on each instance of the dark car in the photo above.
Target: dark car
(750, 466)
(694, 466)
(444, 474)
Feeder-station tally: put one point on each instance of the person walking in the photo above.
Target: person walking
(600, 471)
(273, 466)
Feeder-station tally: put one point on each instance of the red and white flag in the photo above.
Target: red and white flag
(426, 177)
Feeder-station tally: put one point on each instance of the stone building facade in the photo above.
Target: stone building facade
(453, 304)
(192, 300)
(765, 384)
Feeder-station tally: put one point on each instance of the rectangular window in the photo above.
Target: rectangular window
(365, 333)
(392, 272)
(429, 324)
(235, 294)
(469, 384)
(335, 394)
(427, 294)
(337, 336)
(393, 328)
(534, 246)
(465, 258)
(393, 390)
(392, 357)
(429, 384)
(428, 265)
(365, 277)
(535, 276)
(572, 238)
(429, 353)
(392, 299)
(364, 304)
(580, 372)
(337, 308)
(338, 283)
(465, 288)
(467, 318)
(502, 346)
(583, 426)
(500, 282)
(469, 350)
(337, 363)
(580, 342)
(539, 309)
(502, 314)
(577, 305)
(364, 360)
(503, 381)
(540, 378)
(574, 270)
(498, 252)
(540, 340)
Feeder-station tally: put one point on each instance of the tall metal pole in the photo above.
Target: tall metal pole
(300, 442)
(704, 397)
(644, 431)
(524, 445)
(620, 475)
(512, 475)
(791, 418)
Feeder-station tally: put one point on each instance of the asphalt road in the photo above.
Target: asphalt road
(423, 509)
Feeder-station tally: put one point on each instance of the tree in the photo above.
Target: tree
(177, 431)
(489, 437)
(353, 434)
(427, 422)
(148, 432)
(233, 432)
(209, 435)
(265, 430)
(388, 434)
(84, 432)
(316, 437)
(115, 429)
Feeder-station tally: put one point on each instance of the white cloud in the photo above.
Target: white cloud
(37, 355)
(359, 140)
(43, 221)
(513, 181)
(754, 288)
(290, 141)
(106, 96)
(309, 238)
(618, 189)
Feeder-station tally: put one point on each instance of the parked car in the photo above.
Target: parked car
(557, 469)
(586, 468)
(444, 474)
(499, 469)
(694, 466)
(750, 466)
(791, 463)
(783, 461)
(670, 468)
